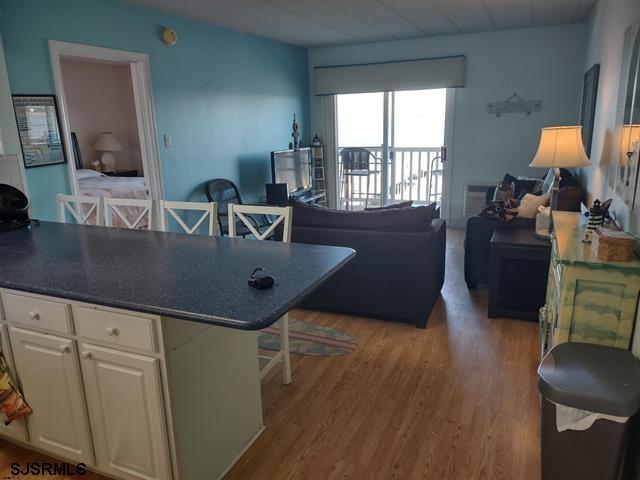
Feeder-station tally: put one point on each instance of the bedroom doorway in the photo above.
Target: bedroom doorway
(108, 122)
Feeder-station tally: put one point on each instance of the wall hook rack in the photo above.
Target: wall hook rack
(514, 104)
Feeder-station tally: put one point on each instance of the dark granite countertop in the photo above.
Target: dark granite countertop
(198, 278)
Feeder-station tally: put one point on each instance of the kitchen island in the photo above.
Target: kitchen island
(134, 348)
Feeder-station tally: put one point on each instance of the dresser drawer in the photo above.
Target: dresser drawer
(38, 312)
(116, 328)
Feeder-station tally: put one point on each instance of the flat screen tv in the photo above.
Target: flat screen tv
(292, 167)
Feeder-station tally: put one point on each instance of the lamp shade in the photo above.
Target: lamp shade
(107, 142)
(630, 135)
(560, 147)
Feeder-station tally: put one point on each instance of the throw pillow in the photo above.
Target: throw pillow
(529, 205)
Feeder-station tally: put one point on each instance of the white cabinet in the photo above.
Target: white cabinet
(124, 397)
(132, 395)
(49, 373)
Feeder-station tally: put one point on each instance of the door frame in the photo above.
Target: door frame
(12, 136)
(447, 180)
(143, 98)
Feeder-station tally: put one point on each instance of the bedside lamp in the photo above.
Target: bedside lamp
(107, 144)
(628, 138)
(560, 147)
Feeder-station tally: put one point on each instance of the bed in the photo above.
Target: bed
(96, 184)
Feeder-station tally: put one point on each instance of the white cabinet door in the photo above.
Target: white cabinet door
(49, 374)
(124, 396)
(16, 429)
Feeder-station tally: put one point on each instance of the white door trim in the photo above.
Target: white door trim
(7, 103)
(447, 181)
(143, 96)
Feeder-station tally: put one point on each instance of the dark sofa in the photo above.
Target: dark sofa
(479, 230)
(398, 270)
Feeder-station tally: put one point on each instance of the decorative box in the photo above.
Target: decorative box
(611, 245)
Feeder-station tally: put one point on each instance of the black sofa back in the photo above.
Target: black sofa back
(398, 270)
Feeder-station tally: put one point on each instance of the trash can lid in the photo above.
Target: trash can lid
(591, 377)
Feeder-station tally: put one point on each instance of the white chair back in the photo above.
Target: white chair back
(244, 212)
(209, 213)
(128, 213)
(83, 209)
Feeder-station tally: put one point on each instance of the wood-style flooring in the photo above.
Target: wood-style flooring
(457, 400)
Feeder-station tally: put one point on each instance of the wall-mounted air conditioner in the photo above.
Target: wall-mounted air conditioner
(475, 198)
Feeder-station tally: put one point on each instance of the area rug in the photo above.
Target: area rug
(308, 339)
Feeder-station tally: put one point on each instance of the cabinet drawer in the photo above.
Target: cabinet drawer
(116, 328)
(38, 312)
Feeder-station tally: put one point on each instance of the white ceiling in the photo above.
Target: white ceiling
(313, 23)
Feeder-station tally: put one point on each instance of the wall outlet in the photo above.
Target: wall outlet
(168, 140)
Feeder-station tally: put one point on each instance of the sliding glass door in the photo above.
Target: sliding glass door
(403, 136)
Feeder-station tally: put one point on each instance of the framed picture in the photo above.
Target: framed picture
(39, 129)
(588, 111)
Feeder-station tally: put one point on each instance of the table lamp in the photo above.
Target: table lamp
(107, 144)
(560, 147)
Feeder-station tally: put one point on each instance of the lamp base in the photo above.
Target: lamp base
(108, 160)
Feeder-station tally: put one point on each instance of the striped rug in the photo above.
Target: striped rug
(308, 339)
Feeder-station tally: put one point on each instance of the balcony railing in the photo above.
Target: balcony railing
(414, 173)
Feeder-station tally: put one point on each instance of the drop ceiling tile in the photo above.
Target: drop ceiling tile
(584, 10)
(510, 13)
(424, 15)
(554, 12)
(468, 15)
(377, 15)
(326, 14)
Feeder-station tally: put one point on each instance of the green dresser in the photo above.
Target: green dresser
(588, 300)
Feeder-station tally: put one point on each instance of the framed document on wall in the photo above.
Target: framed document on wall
(39, 129)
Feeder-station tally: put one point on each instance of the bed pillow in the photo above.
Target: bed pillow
(529, 205)
(85, 173)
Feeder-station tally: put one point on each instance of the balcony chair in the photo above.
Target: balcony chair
(355, 163)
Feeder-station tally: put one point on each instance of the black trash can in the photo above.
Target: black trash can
(588, 394)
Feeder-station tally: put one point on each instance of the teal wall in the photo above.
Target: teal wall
(227, 98)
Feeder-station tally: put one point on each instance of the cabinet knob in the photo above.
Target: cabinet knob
(63, 348)
(112, 331)
(85, 354)
(34, 316)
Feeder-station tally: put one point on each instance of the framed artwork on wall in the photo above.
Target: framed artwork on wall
(39, 130)
(587, 115)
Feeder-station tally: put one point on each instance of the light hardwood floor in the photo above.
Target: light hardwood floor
(457, 400)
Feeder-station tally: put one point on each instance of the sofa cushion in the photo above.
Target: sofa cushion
(414, 219)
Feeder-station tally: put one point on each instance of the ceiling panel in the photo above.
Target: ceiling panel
(510, 13)
(312, 23)
(424, 15)
(584, 10)
(378, 15)
(327, 14)
(468, 15)
(553, 12)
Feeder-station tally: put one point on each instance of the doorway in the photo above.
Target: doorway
(114, 137)
(407, 136)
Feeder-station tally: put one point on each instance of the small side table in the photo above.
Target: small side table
(518, 274)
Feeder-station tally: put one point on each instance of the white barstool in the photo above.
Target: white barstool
(132, 219)
(84, 210)
(172, 209)
(280, 215)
